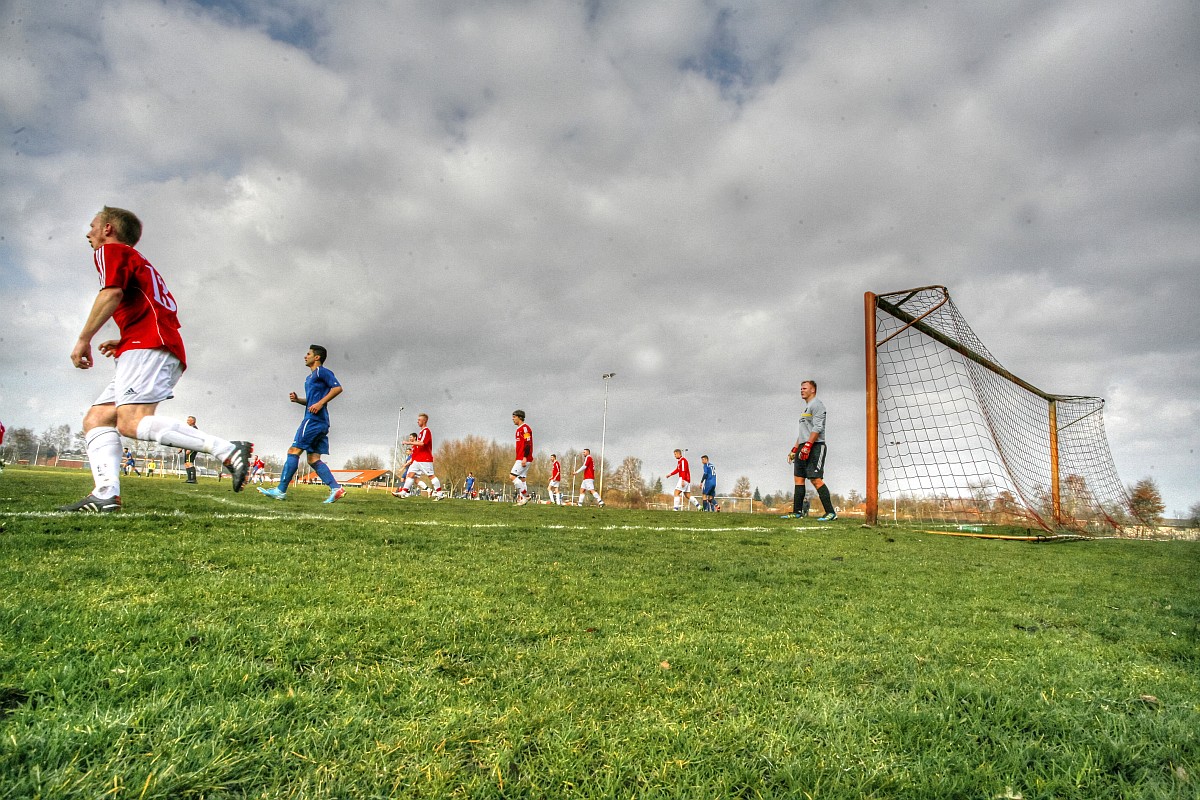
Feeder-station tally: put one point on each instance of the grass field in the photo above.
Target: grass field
(206, 644)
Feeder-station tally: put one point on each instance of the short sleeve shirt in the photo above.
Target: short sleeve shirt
(146, 316)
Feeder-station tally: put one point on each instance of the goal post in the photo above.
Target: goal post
(953, 435)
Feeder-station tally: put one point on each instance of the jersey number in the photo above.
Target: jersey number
(161, 294)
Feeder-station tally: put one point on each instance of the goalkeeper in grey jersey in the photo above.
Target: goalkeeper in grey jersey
(808, 454)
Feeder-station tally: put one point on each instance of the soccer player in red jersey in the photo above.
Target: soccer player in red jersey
(555, 480)
(588, 468)
(422, 461)
(524, 457)
(150, 360)
(684, 487)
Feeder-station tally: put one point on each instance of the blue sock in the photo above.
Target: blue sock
(289, 471)
(324, 474)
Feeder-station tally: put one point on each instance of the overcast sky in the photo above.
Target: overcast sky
(479, 206)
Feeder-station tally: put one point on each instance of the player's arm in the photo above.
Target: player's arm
(324, 401)
(103, 307)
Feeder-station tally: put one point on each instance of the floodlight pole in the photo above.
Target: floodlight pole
(603, 427)
(396, 447)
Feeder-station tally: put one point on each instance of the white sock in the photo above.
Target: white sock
(174, 433)
(581, 498)
(408, 484)
(437, 484)
(104, 455)
(695, 502)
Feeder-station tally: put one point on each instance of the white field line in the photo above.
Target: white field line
(426, 523)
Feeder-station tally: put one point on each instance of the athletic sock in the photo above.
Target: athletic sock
(826, 502)
(322, 470)
(798, 499)
(173, 433)
(437, 484)
(290, 465)
(104, 455)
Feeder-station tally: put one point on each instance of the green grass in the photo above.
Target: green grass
(206, 644)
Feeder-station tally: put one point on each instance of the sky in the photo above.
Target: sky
(483, 206)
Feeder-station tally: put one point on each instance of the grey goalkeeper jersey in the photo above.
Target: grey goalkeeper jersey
(812, 419)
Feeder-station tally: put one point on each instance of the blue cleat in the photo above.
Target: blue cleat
(830, 517)
(335, 495)
(273, 493)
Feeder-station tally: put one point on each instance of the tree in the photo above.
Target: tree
(1194, 515)
(20, 444)
(368, 461)
(628, 478)
(757, 496)
(1146, 502)
(741, 487)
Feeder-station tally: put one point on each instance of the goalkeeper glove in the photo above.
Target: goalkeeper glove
(792, 455)
(804, 451)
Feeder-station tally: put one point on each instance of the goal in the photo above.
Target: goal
(954, 436)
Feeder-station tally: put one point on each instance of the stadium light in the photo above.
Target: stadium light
(603, 428)
(396, 448)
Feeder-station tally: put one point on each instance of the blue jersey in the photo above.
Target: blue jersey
(710, 474)
(316, 386)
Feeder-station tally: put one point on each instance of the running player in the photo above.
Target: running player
(588, 468)
(555, 487)
(150, 361)
(422, 462)
(684, 487)
(312, 437)
(524, 457)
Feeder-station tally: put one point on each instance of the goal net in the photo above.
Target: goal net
(953, 436)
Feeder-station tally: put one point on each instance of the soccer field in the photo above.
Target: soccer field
(207, 644)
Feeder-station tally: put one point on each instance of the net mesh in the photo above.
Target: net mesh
(958, 440)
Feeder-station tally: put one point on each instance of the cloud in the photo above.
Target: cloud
(479, 206)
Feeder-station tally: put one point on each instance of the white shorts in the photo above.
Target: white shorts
(554, 484)
(143, 376)
(588, 485)
(683, 486)
(520, 470)
(419, 468)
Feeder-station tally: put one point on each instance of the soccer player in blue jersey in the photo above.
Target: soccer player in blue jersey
(312, 436)
(708, 484)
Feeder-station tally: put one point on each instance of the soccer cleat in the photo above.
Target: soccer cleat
(523, 499)
(273, 493)
(335, 495)
(830, 517)
(401, 493)
(601, 503)
(792, 515)
(94, 505)
(238, 463)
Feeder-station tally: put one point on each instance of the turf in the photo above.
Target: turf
(206, 644)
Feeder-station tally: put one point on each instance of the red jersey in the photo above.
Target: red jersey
(524, 442)
(589, 468)
(423, 448)
(682, 470)
(555, 468)
(146, 316)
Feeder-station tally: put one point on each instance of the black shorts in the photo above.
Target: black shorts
(813, 466)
